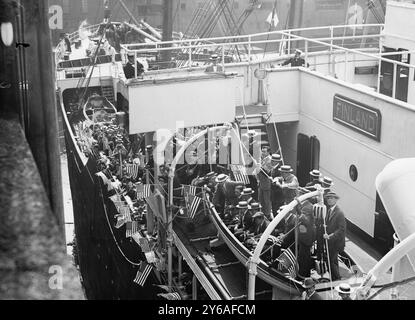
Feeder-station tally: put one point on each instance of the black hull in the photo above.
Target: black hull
(106, 273)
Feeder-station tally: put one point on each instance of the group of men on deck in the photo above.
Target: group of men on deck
(248, 214)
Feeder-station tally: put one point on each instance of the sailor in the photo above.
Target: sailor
(264, 180)
(214, 67)
(314, 178)
(288, 183)
(310, 290)
(277, 195)
(344, 290)
(246, 195)
(129, 70)
(260, 223)
(335, 232)
(296, 61)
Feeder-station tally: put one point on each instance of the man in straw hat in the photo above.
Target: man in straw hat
(263, 173)
(214, 67)
(277, 195)
(314, 178)
(335, 232)
(344, 290)
(225, 193)
(288, 183)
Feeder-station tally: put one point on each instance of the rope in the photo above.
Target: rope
(389, 285)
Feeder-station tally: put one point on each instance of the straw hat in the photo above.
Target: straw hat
(285, 168)
(221, 178)
(247, 191)
(315, 173)
(242, 205)
(326, 182)
(344, 288)
(276, 157)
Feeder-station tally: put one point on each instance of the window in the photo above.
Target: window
(353, 172)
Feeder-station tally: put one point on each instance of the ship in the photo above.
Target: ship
(347, 111)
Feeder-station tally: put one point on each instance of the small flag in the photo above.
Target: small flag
(131, 228)
(239, 173)
(144, 245)
(192, 204)
(287, 260)
(143, 191)
(189, 190)
(132, 169)
(170, 296)
(272, 18)
(163, 287)
(143, 273)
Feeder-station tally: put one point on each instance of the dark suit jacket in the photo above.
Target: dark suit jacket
(336, 225)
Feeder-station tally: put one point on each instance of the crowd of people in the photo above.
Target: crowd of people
(246, 209)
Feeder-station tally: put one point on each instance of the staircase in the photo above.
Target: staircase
(256, 118)
(108, 92)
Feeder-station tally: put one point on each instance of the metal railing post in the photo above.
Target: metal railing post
(394, 77)
(289, 42)
(223, 58)
(249, 49)
(379, 75)
(306, 53)
(135, 64)
(345, 65)
(190, 53)
(331, 50)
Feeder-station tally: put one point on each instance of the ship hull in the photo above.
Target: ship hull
(108, 262)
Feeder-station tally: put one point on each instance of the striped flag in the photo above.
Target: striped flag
(170, 296)
(239, 173)
(132, 169)
(144, 245)
(164, 287)
(192, 204)
(143, 273)
(143, 191)
(132, 228)
(188, 190)
(287, 260)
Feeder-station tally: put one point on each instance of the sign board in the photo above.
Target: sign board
(357, 116)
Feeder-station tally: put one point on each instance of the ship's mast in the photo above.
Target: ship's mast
(167, 27)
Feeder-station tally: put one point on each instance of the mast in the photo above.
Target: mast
(167, 27)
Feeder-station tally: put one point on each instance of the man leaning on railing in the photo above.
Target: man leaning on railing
(296, 61)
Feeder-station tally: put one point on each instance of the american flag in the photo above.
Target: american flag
(319, 211)
(287, 260)
(144, 244)
(170, 296)
(143, 191)
(132, 228)
(165, 288)
(192, 204)
(188, 190)
(239, 173)
(132, 169)
(143, 273)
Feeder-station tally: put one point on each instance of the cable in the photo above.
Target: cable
(389, 285)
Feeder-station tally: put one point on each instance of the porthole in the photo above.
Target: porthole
(353, 172)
